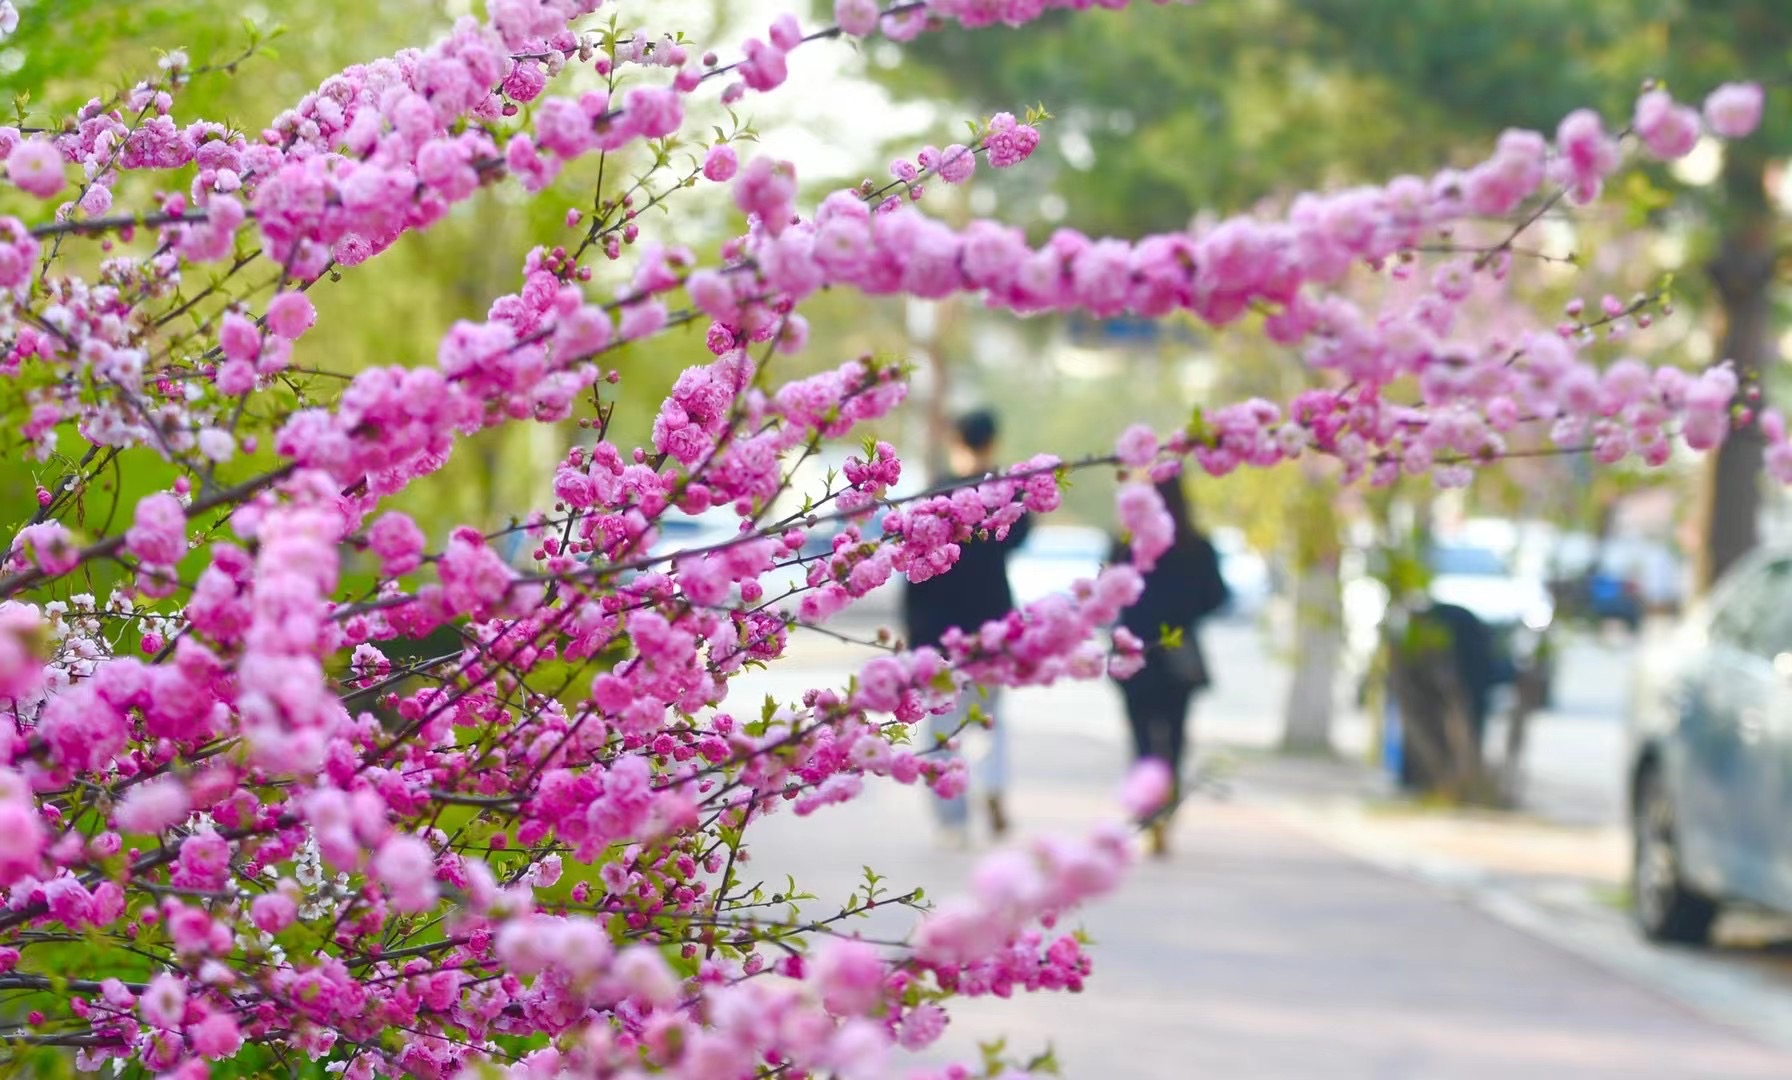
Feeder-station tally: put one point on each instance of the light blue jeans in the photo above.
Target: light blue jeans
(989, 771)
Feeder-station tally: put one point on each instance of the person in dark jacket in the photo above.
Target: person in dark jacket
(974, 591)
(1181, 590)
(1478, 666)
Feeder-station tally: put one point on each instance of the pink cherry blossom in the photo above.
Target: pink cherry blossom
(1669, 130)
(164, 1001)
(154, 806)
(857, 17)
(36, 167)
(290, 314)
(273, 912)
(849, 975)
(720, 163)
(48, 546)
(406, 868)
(1137, 446)
(766, 189)
(158, 532)
(1732, 111)
(347, 788)
(1148, 788)
(398, 542)
(1142, 515)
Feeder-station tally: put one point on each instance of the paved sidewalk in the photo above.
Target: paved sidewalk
(1258, 951)
(1564, 884)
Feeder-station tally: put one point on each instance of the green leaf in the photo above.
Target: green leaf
(992, 1054)
(1045, 1064)
(1198, 429)
(1642, 199)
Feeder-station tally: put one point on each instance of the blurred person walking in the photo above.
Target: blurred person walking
(974, 591)
(1184, 588)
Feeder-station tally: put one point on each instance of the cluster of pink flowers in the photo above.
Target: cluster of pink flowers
(327, 838)
(904, 21)
(1216, 275)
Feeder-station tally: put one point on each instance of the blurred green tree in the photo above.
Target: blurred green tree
(1468, 56)
(64, 48)
(1252, 99)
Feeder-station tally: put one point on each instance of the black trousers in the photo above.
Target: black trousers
(1157, 709)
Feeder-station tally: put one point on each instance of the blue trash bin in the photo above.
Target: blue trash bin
(1393, 742)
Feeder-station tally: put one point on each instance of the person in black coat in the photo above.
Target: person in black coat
(1181, 590)
(974, 591)
(1478, 667)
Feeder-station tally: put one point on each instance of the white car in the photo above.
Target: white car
(787, 582)
(1479, 580)
(675, 532)
(1246, 573)
(1474, 576)
(1055, 557)
(679, 531)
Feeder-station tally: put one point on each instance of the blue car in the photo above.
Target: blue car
(1612, 597)
(1711, 758)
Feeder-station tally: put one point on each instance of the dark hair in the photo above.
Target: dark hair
(1176, 502)
(977, 430)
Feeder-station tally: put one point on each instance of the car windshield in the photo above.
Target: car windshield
(1630, 557)
(1459, 560)
(1048, 542)
(677, 531)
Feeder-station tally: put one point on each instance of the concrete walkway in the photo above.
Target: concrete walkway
(1257, 950)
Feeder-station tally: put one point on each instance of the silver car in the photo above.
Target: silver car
(1711, 757)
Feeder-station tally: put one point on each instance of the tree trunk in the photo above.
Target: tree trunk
(1742, 274)
(939, 421)
(1318, 616)
(935, 335)
(1529, 699)
(1442, 753)
(1318, 639)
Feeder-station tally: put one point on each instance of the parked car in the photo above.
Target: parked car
(1620, 578)
(1517, 608)
(1468, 574)
(676, 531)
(1633, 577)
(1484, 582)
(679, 531)
(1711, 734)
(785, 583)
(1055, 557)
(1249, 581)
